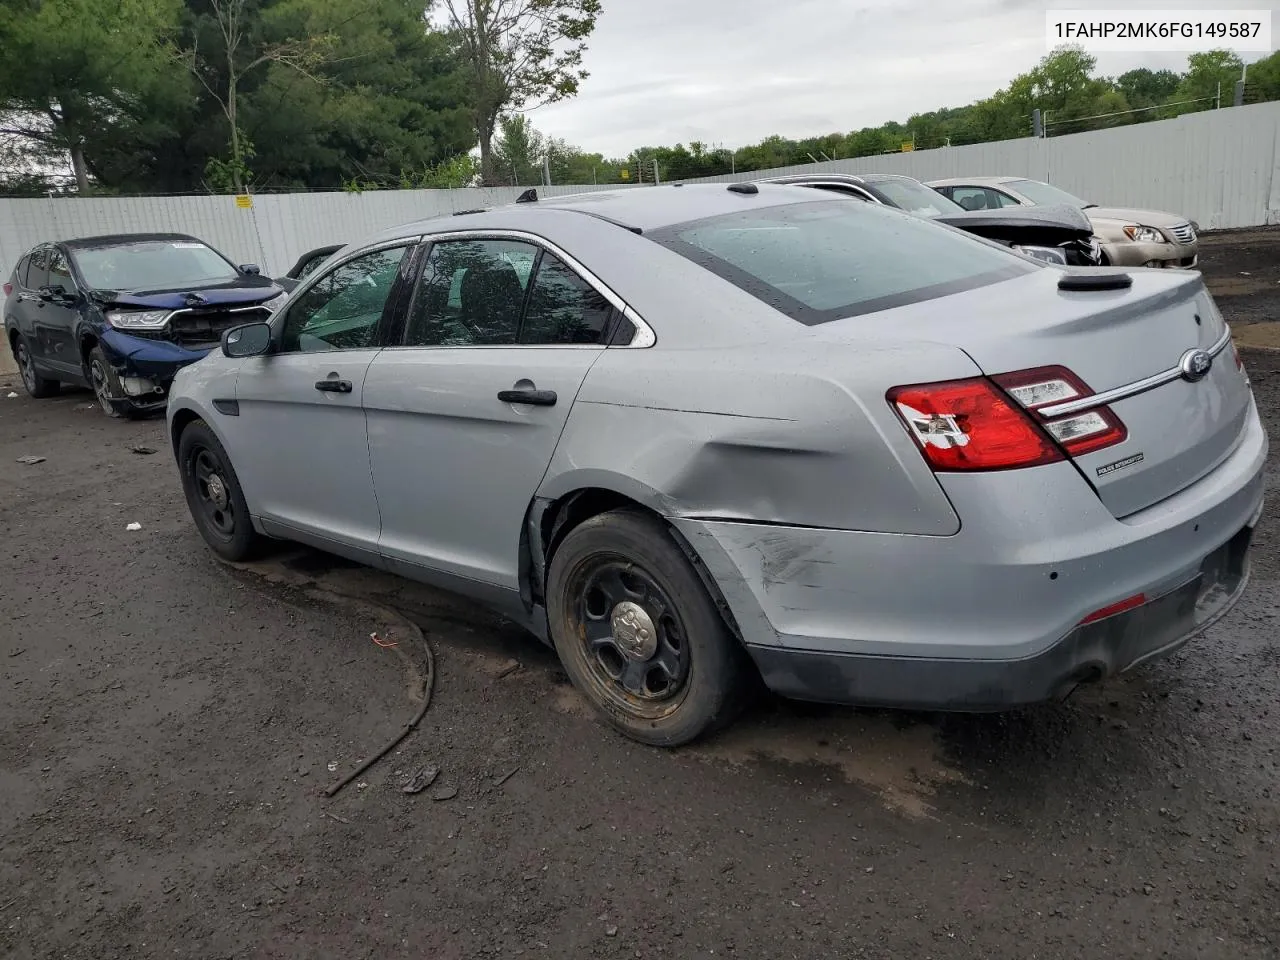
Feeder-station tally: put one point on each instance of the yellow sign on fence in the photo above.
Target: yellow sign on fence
(908, 147)
(244, 201)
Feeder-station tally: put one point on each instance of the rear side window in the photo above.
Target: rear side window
(20, 271)
(38, 269)
(822, 261)
(563, 308)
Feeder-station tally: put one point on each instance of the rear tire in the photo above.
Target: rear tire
(638, 633)
(214, 496)
(37, 386)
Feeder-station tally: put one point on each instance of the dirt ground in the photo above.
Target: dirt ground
(168, 724)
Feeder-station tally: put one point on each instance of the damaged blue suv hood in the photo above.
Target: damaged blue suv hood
(246, 290)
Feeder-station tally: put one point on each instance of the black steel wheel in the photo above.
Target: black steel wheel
(37, 386)
(634, 640)
(639, 634)
(213, 494)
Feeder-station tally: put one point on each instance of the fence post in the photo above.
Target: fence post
(1037, 123)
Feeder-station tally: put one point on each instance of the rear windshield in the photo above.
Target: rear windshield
(1046, 194)
(153, 265)
(839, 258)
(914, 197)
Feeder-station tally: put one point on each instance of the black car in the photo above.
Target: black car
(122, 314)
(1057, 234)
(307, 265)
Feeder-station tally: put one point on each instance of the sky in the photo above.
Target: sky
(732, 72)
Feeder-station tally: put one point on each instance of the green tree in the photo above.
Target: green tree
(1147, 88)
(1208, 74)
(518, 53)
(1263, 79)
(517, 153)
(76, 72)
(232, 40)
(390, 98)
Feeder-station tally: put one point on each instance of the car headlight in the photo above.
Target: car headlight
(1141, 234)
(138, 319)
(1047, 254)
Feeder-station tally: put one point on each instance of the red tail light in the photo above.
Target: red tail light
(997, 424)
(971, 425)
(8, 289)
(1078, 433)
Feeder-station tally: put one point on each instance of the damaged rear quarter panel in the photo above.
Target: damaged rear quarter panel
(795, 435)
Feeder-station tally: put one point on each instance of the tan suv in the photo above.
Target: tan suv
(1129, 238)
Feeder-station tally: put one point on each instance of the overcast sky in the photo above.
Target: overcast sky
(731, 72)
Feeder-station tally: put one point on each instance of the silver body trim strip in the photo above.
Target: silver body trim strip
(1128, 390)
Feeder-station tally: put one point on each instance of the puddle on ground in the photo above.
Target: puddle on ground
(903, 766)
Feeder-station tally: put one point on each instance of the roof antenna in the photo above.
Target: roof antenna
(529, 196)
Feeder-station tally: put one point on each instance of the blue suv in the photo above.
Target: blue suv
(122, 314)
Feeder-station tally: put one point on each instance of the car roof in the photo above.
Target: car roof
(838, 178)
(120, 239)
(639, 209)
(973, 181)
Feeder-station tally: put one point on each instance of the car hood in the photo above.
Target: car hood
(1150, 218)
(1048, 224)
(245, 291)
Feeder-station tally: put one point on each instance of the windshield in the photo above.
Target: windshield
(822, 261)
(154, 265)
(914, 197)
(1044, 193)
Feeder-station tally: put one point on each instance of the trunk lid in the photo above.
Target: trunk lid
(1178, 430)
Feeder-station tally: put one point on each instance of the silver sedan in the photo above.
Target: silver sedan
(698, 435)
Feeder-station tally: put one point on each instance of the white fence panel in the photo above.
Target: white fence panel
(1217, 167)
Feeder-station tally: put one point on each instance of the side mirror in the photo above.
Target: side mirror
(54, 293)
(250, 269)
(247, 340)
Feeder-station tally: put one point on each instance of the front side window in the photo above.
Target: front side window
(822, 261)
(341, 310)
(60, 272)
(154, 265)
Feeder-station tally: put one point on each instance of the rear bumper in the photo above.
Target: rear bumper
(991, 616)
(1089, 652)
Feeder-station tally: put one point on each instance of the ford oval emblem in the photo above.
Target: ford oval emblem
(1195, 365)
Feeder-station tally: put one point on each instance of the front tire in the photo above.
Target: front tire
(638, 633)
(37, 386)
(214, 496)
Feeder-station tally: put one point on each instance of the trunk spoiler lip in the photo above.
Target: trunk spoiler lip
(1130, 389)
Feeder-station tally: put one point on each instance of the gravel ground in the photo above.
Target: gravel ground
(167, 726)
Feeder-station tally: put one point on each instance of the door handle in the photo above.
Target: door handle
(534, 398)
(334, 386)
